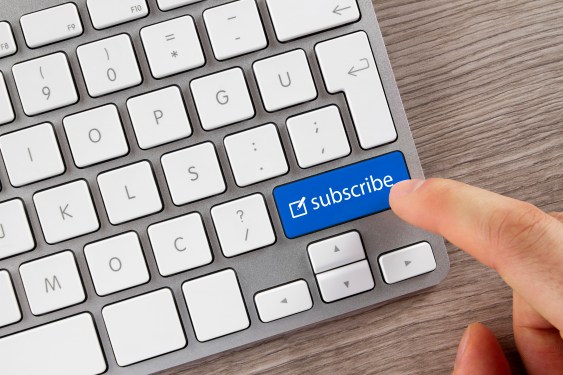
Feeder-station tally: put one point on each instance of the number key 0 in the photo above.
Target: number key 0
(109, 65)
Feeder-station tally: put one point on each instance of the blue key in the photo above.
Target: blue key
(339, 196)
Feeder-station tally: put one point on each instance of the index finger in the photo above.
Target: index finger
(522, 243)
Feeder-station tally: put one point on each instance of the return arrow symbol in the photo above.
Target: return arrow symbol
(353, 69)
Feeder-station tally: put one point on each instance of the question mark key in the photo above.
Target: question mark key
(243, 225)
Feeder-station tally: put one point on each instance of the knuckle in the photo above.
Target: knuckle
(517, 228)
(558, 216)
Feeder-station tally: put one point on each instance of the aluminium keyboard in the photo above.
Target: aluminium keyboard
(180, 178)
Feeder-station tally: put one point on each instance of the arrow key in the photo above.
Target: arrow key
(283, 301)
(345, 281)
(336, 252)
(406, 263)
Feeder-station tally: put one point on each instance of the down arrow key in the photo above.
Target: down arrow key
(345, 281)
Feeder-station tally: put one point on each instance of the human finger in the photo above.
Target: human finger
(539, 343)
(557, 215)
(521, 242)
(479, 353)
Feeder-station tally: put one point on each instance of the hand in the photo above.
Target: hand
(522, 243)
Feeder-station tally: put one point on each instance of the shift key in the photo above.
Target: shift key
(340, 195)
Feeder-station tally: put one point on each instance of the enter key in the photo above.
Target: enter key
(348, 66)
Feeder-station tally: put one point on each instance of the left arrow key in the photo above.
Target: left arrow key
(283, 301)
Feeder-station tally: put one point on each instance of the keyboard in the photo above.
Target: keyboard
(180, 178)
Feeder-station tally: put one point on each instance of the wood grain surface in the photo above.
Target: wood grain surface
(482, 84)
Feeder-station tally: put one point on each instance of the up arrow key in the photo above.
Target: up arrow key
(284, 300)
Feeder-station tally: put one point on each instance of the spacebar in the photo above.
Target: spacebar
(69, 346)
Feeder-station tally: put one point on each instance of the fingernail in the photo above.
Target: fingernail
(407, 187)
(462, 347)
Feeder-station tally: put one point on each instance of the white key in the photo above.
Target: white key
(129, 192)
(222, 99)
(348, 66)
(107, 13)
(293, 19)
(345, 281)
(144, 327)
(336, 252)
(235, 29)
(10, 312)
(15, 232)
(31, 154)
(193, 173)
(318, 136)
(172, 47)
(117, 263)
(172, 4)
(6, 111)
(159, 117)
(109, 65)
(285, 80)
(215, 305)
(283, 301)
(180, 244)
(7, 43)
(66, 212)
(256, 155)
(95, 136)
(52, 283)
(79, 353)
(45, 84)
(406, 263)
(243, 225)
(51, 25)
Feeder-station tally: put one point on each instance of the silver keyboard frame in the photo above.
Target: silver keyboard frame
(281, 263)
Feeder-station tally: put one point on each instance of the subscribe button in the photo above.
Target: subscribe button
(339, 196)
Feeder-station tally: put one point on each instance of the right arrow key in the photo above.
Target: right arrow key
(407, 263)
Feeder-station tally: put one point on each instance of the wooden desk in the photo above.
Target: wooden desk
(482, 83)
